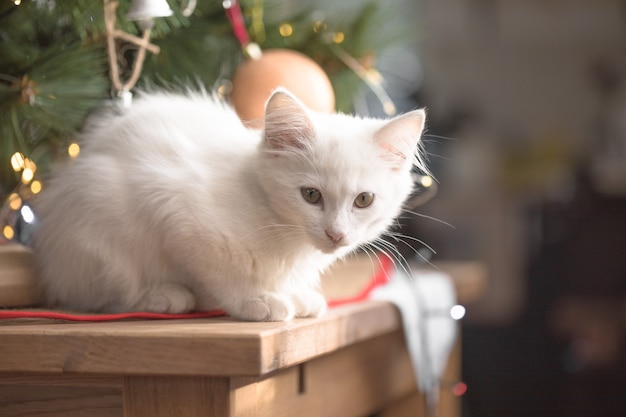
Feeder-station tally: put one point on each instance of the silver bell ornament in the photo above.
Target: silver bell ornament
(144, 11)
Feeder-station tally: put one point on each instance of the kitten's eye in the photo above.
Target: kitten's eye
(311, 195)
(364, 200)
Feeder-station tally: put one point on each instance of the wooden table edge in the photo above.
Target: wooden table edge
(208, 347)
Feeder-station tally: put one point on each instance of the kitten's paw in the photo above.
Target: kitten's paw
(168, 298)
(310, 303)
(268, 307)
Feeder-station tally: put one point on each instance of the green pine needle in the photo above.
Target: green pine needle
(54, 70)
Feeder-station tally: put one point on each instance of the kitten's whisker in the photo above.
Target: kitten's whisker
(367, 251)
(392, 252)
(376, 250)
(425, 216)
(398, 255)
(436, 155)
(432, 135)
(398, 237)
(417, 252)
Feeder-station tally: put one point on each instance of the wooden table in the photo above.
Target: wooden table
(351, 362)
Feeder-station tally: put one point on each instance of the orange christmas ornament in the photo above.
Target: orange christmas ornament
(255, 79)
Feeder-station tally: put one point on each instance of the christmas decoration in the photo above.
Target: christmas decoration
(54, 69)
(143, 11)
(255, 80)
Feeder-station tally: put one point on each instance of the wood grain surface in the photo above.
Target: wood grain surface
(209, 347)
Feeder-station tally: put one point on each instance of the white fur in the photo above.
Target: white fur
(175, 206)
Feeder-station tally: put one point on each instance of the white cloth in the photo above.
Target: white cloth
(424, 301)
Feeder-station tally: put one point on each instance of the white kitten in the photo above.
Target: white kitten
(175, 206)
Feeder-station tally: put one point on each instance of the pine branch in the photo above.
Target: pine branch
(53, 68)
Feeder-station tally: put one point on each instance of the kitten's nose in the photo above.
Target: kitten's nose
(335, 236)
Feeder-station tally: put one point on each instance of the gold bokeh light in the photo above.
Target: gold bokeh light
(8, 232)
(286, 30)
(15, 201)
(73, 150)
(17, 161)
(35, 187)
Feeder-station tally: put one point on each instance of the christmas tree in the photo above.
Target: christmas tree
(60, 60)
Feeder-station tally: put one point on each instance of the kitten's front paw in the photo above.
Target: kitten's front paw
(168, 298)
(268, 307)
(310, 303)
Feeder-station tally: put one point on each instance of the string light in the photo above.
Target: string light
(73, 150)
(27, 214)
(30, 164)
(17, 161)
(27, 166)
(339, 37)
(8, 232)
(457, 312)
(426, 181)
(285, 30)
(15, 201)
(27, 175)
(35, 187)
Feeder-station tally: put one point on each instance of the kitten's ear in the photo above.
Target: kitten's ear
(287, 124)
(400, 136)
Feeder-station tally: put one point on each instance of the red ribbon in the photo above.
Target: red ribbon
(17, 314)
(235, 17)
(385, 270)
(380, 278)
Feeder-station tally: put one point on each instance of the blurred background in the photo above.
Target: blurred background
(526, 139)
(528, 97)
